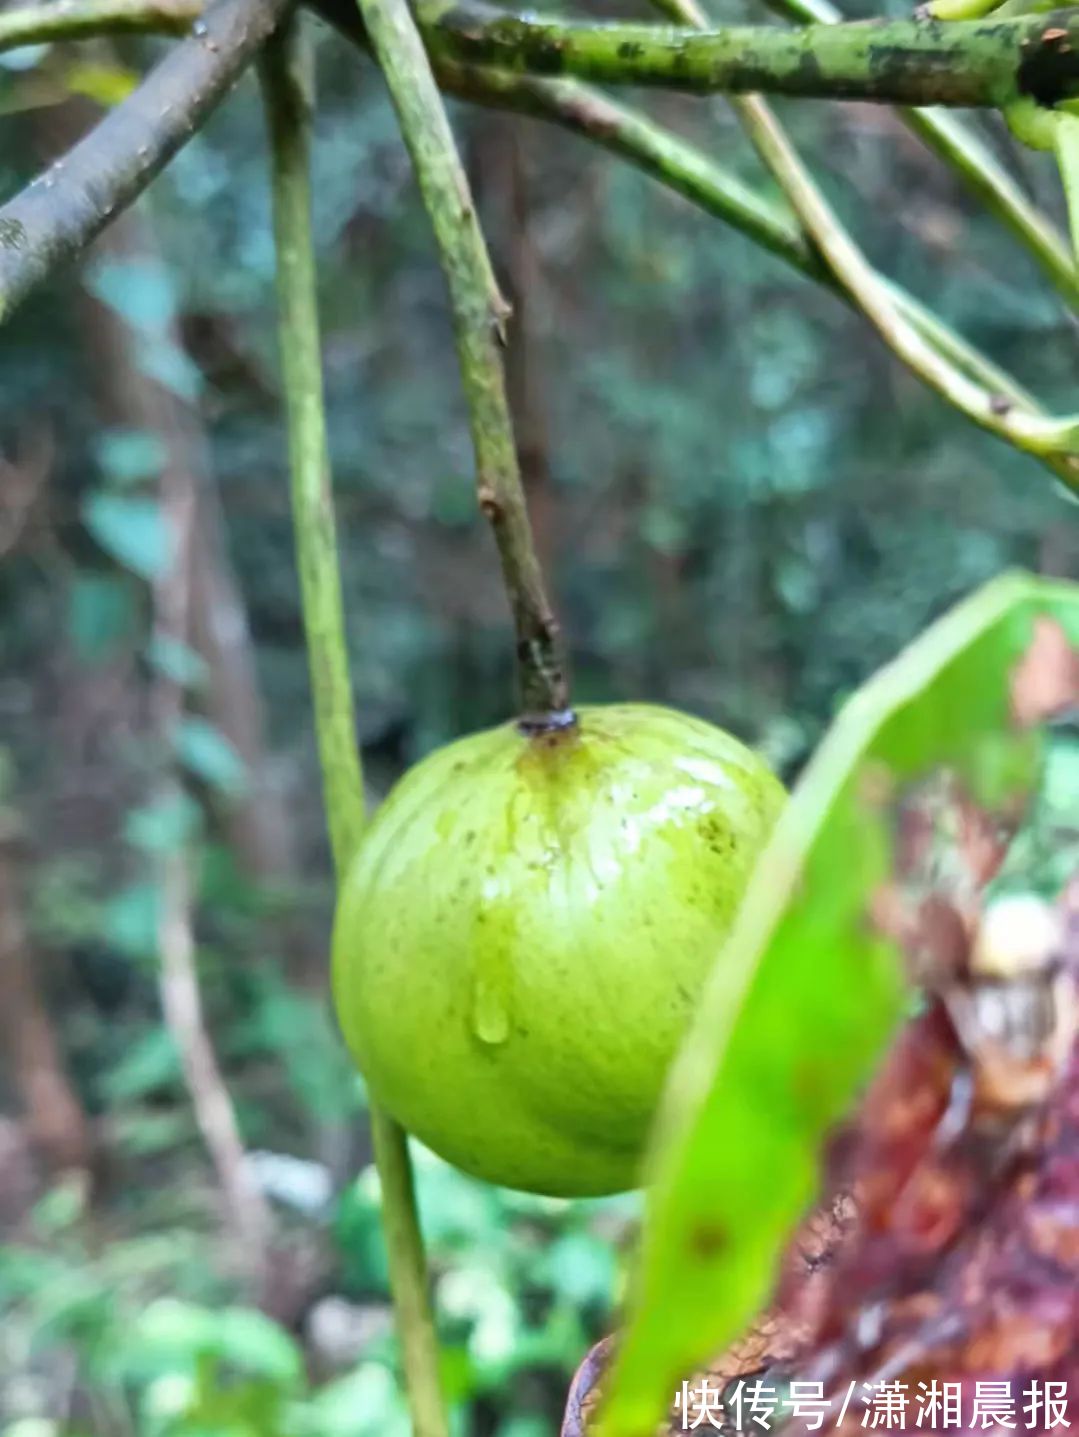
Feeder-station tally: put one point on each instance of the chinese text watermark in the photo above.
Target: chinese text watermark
(753, 1404)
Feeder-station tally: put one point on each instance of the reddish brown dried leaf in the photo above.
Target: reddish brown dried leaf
(1045, 681)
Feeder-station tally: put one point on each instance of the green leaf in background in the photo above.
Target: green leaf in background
(176, 661)
(163, 826)
(206, 753)
(128, 456)
(162, 360)
(247, 1339)
(365, 1403)
(101, 614)
(140, 290)
(806, 992)
(130, 920)
(107, 85)
(145, 1067)
(173, 1332)
(131, 531)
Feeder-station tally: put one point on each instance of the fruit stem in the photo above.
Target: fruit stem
(479, 314)
(286, 76)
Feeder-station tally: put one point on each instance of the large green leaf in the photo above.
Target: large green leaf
(806, 992)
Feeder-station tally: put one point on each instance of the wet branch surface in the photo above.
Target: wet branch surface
(906, 62)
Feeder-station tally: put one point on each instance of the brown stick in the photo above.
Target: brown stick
(55, 1121)
(62, 210)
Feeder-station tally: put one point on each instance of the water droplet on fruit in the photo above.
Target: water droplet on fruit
(490, 1010)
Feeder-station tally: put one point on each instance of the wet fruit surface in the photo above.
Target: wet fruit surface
(523, 936)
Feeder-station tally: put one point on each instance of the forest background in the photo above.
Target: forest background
(744, 505)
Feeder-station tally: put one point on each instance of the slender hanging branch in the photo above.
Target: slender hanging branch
(65, 208)
(965, 152)
(288, 120)
(915, 336)
(285, 78)
(630, 134)
(1039, 435)
(479, 314)
(688, 171)
(901, 62)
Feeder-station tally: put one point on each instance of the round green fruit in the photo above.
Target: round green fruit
(523, 937)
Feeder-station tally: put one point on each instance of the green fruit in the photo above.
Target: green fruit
(523, 937)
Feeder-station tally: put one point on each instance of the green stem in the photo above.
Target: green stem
(80, 19)
(630, 134)
(1066, 147)
(950, 138)
(688, 171)
(1045, 437)
(479, 313)
(288, 117)
(287, 94)
(760, 123)
(569, 103)
(904, 62)
(937, 355)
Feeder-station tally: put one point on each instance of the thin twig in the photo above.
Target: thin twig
(1052, 438)
(692, 173)
(966, 153)
(633, 136)
(57, 215)
(479, 313)
(288, 117)
(181, 1000)
(286, 89)
(1008, 415)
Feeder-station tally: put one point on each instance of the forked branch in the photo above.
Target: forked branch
(65, 208)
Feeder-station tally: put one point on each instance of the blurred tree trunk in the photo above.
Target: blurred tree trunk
(54, 1118)
(218, 630)
(246, 1213)
(256, 822)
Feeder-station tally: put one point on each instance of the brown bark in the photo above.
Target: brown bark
(218, 630)
(53, 1115)
(181, 999)
(256, 822)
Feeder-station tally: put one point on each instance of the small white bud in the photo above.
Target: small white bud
(1017, 935)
